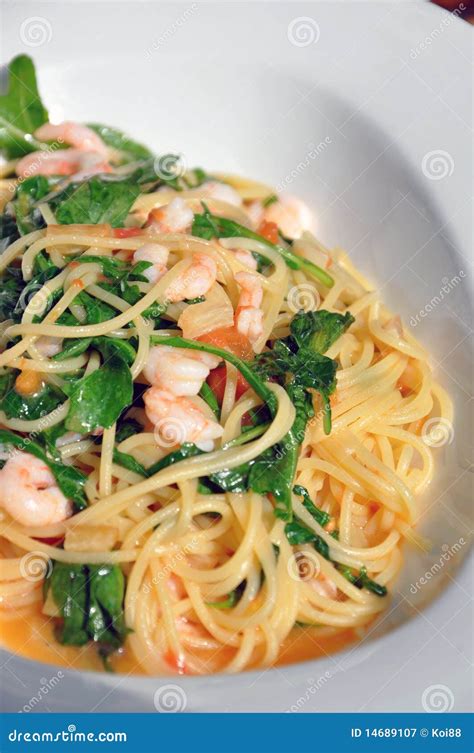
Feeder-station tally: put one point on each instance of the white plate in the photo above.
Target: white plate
(363, 109)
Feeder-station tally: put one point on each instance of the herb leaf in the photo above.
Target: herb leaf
(96, 401)
(21, 109)
(90, 600)
(99, 199)
(113, 137)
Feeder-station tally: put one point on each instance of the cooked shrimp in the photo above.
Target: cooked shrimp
(291, 215)
(182, 371)
(75, 134)
(249, 315)
(29, 493)
(245, 258)
(221, 192)
(180, 419)
(195, 281)
(157, 255)
(49, 346)
(255, 211)
(175, 217)
(75, 162)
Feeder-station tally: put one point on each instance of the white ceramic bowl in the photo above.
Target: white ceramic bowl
(362, 109)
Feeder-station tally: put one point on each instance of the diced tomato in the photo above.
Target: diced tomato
(51, 540)
(217, 381)
(269, 231)
(127, 232)
(230, 339)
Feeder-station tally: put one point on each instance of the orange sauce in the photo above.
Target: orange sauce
(30, 634)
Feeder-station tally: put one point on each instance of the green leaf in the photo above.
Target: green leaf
(116, 139)
(28, 193)
(362, 580)
(90, 601)
(209, 397)
(32, 407)
(128, 461)
(319, 515)
(97, 400)
(318, 330)
(298, 533)
(11, 285)
(8, 231)
(99, 199)
(232, 599)
(127, 428)
(187, 450)
(68, 585)
(234, 480)
(208, 226)
(31, 288)
(69, 479)
(21, 109)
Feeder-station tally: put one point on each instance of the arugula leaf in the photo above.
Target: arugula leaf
(8, 231)
(21, 109)
(72, 348)
(208, 395)
(319, 515)
(69, 479)
(98, 399)
(296, 356)
(96, 310)
(113, 137)
(90, 601)
(31, 288)
(32, 407)
(234, 480)
(187, 450)
(48, 437)
(318, 330)
(127, 428)
(68, 584)
(269, 200)
(128, 461)
(28, 193)
(41, 263)
(298, 533)
(232, 599)
(99, 199)
(208, 226)
(362, 580)
(10, 290)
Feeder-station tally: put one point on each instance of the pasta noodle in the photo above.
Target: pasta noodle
(215, 580)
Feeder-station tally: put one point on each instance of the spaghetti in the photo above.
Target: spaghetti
(211, 528)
